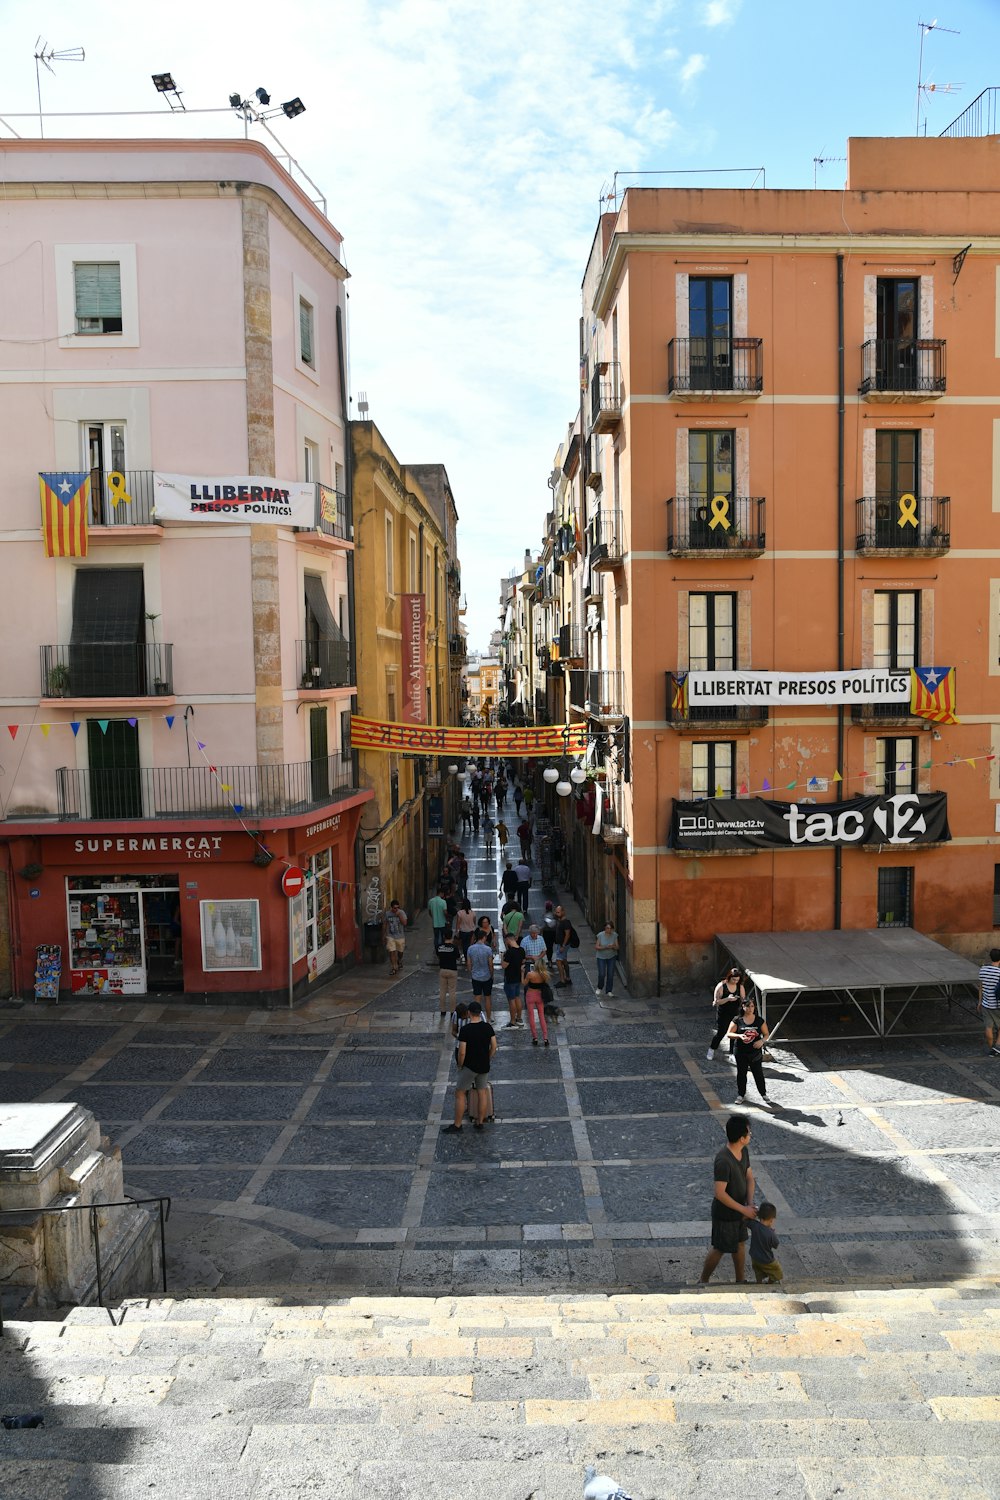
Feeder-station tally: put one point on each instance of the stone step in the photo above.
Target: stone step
(822, 1394)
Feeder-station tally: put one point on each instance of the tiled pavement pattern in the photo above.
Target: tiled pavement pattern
(849, 1396)
(304, 1148)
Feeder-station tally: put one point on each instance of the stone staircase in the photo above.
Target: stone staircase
(815, 1394)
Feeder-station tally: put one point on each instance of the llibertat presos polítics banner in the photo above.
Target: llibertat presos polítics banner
(233, 498)
(717, 824)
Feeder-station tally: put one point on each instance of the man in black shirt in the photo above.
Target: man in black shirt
(477, 1045)
(508, 882)
(732, 1205)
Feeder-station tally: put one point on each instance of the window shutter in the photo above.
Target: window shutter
(306, 332)
(98, 289)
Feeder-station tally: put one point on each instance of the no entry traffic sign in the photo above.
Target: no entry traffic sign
(292, 881)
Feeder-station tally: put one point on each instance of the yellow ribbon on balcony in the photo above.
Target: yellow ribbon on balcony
(720, 513)
(907, 511)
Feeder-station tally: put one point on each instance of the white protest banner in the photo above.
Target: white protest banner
(240, 498)
(858, 685)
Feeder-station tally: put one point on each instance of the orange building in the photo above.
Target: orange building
(792, 411)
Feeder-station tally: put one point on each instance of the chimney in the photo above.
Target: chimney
(527, 559)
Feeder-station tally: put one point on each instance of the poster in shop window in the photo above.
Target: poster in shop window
(297, 913)
(230, 936)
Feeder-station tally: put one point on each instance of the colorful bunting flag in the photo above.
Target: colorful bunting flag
(74, 725)
(12, 730)
(104, 725)
(45, 731)
(837, 776)
(170, 721)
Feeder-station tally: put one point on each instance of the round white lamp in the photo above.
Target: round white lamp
(452, 770)
(578, 775)
(563, 788)
(550, 774)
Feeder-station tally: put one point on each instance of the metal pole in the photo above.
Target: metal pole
(291, 962)
(95, 1231)
(163, 1244)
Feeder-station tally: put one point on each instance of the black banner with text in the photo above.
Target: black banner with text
(757, 823)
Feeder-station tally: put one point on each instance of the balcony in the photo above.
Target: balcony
(718, 368)
(606, 396)
(331, 511)
(714, 716)
(454, 576)
(895, 712)
(564, 542)
(600, 694)
(543, 656)
(121, 497)
(902, 369)
(278, 791)
(323, 664)
(456, 647)
(107, 669)
(605, 545)
(733, 524)
(572, 643)
(903, 525)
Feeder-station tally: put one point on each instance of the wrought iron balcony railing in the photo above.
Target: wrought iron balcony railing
(903, 523)
(121, 497)
(572, 643)
(605, 544)
(606, 396)
(725, 523)
(323, 664)
(127, 792)
(681, 715)
(600, 694)
(108, 669)
(903, 367)
(895, 712)
(715, 366)
(456, 646)
(332, 513)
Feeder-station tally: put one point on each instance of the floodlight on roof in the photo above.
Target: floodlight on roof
(293, 107)
(235, 100)
(164, 83)
(263, 96)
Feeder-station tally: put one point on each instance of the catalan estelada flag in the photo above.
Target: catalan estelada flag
(65, 503)
(932, 694)
(679, 702)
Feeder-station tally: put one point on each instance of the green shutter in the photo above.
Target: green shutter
(98, 289)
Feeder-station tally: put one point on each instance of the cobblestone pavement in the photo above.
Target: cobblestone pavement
(305, 1148)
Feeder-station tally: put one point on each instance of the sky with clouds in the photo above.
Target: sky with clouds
(464, 146)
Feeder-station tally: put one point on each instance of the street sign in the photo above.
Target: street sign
(292, 881)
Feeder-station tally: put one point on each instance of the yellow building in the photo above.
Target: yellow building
(405, 519)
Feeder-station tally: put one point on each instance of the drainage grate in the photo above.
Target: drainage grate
(378, 1059)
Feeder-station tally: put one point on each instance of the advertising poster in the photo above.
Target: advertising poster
(755, 823)
(230, 935)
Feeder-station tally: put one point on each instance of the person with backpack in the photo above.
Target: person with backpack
(447, 957)
(565, 933)
(536, 984)
(513, 969)
(729, 994)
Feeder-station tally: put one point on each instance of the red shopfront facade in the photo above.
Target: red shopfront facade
(142, 909)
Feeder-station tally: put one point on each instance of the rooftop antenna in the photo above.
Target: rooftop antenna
(363, 407)
(821, 161)
(47, 55)
(947, 88)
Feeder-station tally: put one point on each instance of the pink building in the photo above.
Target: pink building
(176, 698)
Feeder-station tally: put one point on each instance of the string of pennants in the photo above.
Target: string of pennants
(812, 783)
(236, 808)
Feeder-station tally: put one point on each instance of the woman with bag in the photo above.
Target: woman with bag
(536, 983)
(749, 1032)
(730, 992)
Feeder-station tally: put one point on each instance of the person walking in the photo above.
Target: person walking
(732, 1205)
(524, 835)
(477, 1045)
(606, 947)
(508, 883)
(564, 931)
(529, 800)
(394, 924)
(512, 923)
(447, 957)
(513, 972)
(523, 872)
(475, 817)
(489, 829)
(466, 814)
(549, 931)
(534, 944)
(518, 798)
(730, 992)
(465, 925)
(534, 997)
(479, 963)
(763, 1243)
(502, 834)
(750, 1032)
(437, 907)
(989, 985)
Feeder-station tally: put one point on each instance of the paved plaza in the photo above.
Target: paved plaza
(305, 1148)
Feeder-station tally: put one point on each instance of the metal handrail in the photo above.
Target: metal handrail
(93, 1209)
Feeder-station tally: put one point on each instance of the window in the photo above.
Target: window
(390, 569)
(710, 323)
(97, 290)
(108, 657)
(391, 709)
(897, 472)
(996, 895)
(895, 896)
(411, 565)
(393, 787)
(307, 333)
(712, 763)
(896, 639)
(345, 734)
(104, 450)
(710, 473)
(895, 766)
(712, 632)
(325, 662)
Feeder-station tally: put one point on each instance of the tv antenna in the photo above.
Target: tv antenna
(821, 161)
(47, 55)
(941, 88)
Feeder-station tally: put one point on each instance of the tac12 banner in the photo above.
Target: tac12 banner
(758, 823)
(441, 739)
